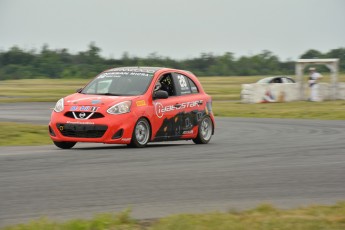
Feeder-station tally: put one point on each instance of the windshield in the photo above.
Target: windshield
(119, 83)
(265, 80)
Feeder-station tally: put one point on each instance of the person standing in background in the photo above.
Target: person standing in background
(313, 84)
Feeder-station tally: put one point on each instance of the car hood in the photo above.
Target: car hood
(95, 100)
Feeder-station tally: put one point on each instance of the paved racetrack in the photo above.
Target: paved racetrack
(288, 163)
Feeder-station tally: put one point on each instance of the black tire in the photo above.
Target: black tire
(141, 134)
(64, 144)
(205, 130)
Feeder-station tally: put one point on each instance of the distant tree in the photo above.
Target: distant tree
(268, 63)
(48, 63)
(224, 65)
(311, 54)
(17, 63)
(16, 56)
(338, 53)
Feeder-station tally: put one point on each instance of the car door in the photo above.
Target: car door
(178, 116)
(192, 105)
(166, 118)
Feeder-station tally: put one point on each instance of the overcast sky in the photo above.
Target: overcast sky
(175, 28)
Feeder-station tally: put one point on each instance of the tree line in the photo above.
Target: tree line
(17, 63)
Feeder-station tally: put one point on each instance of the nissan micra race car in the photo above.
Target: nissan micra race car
(134, 106)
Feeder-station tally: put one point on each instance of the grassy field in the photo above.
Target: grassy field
(38, 90)
(264, 217)
(23, 134)
(225, 88)
(328, 110)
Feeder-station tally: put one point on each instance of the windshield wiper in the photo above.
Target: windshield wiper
(110, 94)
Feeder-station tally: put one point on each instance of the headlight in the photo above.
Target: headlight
(59, 106)
(123, 107)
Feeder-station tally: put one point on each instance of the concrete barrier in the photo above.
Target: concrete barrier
(265, 93)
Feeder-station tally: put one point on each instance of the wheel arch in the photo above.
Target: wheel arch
(148, 120)
(212, 120)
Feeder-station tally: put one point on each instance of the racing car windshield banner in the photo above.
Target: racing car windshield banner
(124, 74)
(120, 83)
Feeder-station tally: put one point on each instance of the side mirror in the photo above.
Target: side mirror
(160, 94)
(79, 90)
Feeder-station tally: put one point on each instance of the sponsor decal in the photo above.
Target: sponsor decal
(79, 122)
(182, 123)
(160, 109)
(84, 108)
(139, 74)
(141, 103)
(124, 73)
(132, 70)
(74, 108)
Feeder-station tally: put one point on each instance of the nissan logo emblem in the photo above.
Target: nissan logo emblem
(82, 115)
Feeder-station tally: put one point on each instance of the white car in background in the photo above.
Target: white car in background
(270, 89)
(276, 79)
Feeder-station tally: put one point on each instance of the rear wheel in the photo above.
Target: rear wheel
(64, 144)
(204, 131)
(141, 133)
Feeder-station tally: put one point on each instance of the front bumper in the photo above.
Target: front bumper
(111, 129)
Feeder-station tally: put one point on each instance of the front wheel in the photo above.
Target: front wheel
(64, 144)
(141, 133)
(204, 131)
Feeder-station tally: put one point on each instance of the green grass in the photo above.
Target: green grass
(264, 217)
(23, 134)
(327, 110)
(38, 90)
(225, 88)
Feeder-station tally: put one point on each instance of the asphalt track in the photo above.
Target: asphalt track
(288, 163)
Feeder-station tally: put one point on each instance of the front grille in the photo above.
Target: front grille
(85, 115)
(82, 130)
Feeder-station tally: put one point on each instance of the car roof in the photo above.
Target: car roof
(146, 69)
(136, 69)
(267, 79)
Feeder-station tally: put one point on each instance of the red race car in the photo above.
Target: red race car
(134, 106)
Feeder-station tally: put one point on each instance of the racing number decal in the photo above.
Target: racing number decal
(182, 81)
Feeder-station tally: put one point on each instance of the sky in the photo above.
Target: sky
(178, 29)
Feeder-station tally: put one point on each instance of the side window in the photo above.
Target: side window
(184, 84)
(288, 80)
(276, 80)
(193, 87)
(167, 84)
(181, 84)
